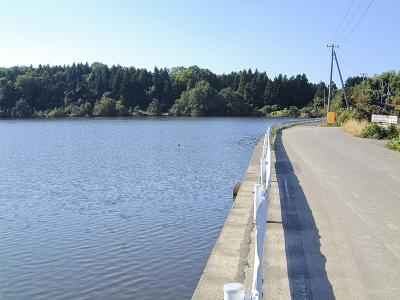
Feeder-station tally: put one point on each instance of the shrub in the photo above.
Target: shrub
(136, 111)
(397, 110)
(40, 114)
(312, 112)
(269, 109)
(105, 107)
(354, 127)
(378, 132)
(81, 110)
(120, 108)
(373, 131)
(58, 112)
(392, 132)
(394, 144)
(343, 116)
(154, 108)
(292, 112)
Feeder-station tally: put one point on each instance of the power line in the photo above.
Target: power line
(352, 65)
(351, 18)
(346, 61)
(359, 21)
(343, 19)
(344, 54)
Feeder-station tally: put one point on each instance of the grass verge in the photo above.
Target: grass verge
(354, 127)
(364, 129)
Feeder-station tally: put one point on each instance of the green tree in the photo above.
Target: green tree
(234, 102)
(21, 109)
(202, 100)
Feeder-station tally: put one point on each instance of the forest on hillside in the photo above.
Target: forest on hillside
(81, 90)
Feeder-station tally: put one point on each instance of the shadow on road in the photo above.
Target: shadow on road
(305, 262)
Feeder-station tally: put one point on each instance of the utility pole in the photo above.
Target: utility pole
(324, 99)
(341, 80)
(363, 76)
(332, 46)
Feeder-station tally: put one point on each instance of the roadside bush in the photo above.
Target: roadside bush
(392, 132)
(378, 132)
(343, 116)
(394, 144)
(373, 131)
(397, 110)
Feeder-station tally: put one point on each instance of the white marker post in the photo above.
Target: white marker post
(234, 291)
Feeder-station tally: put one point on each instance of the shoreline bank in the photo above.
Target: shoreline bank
(232, 257)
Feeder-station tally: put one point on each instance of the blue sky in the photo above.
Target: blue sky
(276, 36)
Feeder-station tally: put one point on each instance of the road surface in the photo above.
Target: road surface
(334, 229)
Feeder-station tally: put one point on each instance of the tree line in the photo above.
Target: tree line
(98, 90)
(379, 94)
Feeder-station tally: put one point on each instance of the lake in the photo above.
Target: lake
(116, 208)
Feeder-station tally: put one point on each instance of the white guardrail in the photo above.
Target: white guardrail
(236, 291)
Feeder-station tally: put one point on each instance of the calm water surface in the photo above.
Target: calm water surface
(115, 209)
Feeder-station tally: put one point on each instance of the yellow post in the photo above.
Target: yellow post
(331, 117)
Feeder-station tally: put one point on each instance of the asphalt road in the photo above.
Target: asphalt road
(334, 230)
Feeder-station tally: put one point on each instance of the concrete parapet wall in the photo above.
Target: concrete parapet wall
(232, 258)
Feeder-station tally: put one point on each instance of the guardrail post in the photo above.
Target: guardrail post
(258, 190)
(234, 291)
(263, 170)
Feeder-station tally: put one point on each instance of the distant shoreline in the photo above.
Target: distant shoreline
(151, 117)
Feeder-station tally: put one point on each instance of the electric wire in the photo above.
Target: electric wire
(346, 61)
(358, 22)
(342, 21)
(350, 21)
